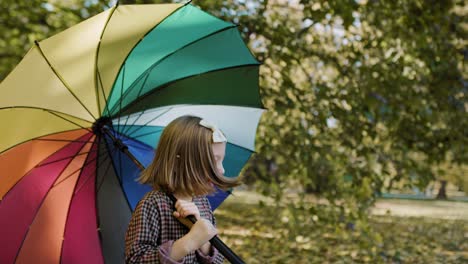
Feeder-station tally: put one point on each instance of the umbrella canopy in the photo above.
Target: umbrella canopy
(67, 190)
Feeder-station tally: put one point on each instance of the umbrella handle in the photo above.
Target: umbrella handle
(216, 241)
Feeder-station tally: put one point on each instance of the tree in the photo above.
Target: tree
(359, 93)
(23, 22)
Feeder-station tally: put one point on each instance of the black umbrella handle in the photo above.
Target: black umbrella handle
(216, 241)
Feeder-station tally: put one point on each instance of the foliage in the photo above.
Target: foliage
(359, 93)
(23, 22)
(277, 234)
(371, 90)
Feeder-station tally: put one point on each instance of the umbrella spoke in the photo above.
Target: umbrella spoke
(146, 124)
(45, 194)
(119, 113)
(145, 134)
(107, 158)
(134, 121)
(36, 139)
(124, 125)
(62, 140)
(102, 90)
(139, 92)
(97, 75)
(84, 183)
(148, 71)
(59, 116)
(55, 113)
(139, 147)
(64, 158)
(99, 185)
(215, 76)
(120, 167)
(75, 171)
(118, 171)
(63, 81)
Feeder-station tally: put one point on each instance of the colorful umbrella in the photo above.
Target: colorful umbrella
(67, 189)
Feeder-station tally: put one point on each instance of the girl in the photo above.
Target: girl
(187, 164)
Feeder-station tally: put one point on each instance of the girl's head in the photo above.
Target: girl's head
(187, 161)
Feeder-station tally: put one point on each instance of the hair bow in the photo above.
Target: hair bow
(218, 136)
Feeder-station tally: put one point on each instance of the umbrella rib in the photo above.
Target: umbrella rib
(64, 158)
(121, 93)
(138, 147)
(160, 88)
(156, 117)
(145, 134)
(96, 187)
(143, 84)
(96, 71)
(62, 80)
(35, 139)
(141, 88)
(99, 185)
(138, 42)
(117, 176)
(37, 210)
(51, 112)
(135, 146)
(62, 140)
(148, 71)
(134, 122)
(102, 90)
(71, 174)
(120, 169)
(29, 171)
(71, 201)
(125, 125)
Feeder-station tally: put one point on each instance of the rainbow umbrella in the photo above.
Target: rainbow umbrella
(80, 101)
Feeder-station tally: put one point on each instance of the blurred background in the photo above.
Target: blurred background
(362, 152)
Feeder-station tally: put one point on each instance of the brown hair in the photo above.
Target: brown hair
(184, 160)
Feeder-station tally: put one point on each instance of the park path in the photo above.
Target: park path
(417, 208)
(454, 210)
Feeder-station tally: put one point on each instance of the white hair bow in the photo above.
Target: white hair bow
(218, 136)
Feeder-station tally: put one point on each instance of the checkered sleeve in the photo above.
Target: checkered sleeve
(142, 236)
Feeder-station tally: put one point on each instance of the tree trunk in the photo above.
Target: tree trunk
(442, 195)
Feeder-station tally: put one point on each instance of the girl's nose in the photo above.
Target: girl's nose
(221, 169)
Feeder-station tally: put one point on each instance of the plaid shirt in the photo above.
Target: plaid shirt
(153, 229)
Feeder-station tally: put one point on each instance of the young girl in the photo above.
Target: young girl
(187, 164)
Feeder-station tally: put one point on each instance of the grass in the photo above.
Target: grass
(265, 233)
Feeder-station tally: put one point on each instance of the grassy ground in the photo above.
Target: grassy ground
(268, 234)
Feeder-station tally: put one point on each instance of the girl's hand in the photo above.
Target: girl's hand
(200, 233)
(184, 209)
(197, 238)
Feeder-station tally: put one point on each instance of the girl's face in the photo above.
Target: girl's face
(219, 150)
